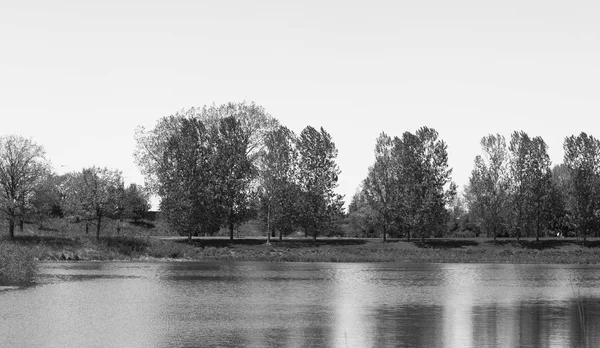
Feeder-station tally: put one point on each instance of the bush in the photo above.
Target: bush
(126, 245)
(17, 264)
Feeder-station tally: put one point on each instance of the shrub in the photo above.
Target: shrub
(17, 264)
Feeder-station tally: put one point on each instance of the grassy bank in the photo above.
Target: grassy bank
(82, 248)
(140, 242)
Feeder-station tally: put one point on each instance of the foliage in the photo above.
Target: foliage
(23, 167)
(317, 178)
(46, 200)
(233, 171)
(379, 188)
(559, 219)
(278, 170)
(363, 220)
(17, 264)
(531, 182)
(185, 179)
(93, 194)
(408, 187)
(487, 194)
(136, 202)
(151, 144)
(202, 161)
(582, 158)
(426, 176)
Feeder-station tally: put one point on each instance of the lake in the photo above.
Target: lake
(258, 304)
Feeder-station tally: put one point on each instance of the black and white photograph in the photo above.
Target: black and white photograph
(384, 173)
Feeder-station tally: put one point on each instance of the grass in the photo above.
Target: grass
(64, 241)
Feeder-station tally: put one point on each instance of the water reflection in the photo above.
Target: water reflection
(304, 305)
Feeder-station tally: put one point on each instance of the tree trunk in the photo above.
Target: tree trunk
(384, 234)
(98, 227)
(280, 236)
(268, 223)
(21, 223)
(230, 231)
(190, 237)
(87, 227)
(314, 236)
(537, 229)
(11, 228)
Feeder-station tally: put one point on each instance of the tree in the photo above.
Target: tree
(185, 179)
(582, 157)
(234, 172)
(363, 220)
(540, 184)
(424, 188)
(46, 199)
(380, 185)
(559, 217)
(136, 202)
(277, 172)
(93, 194)
(213, 125)
(489, 185)
(317, 176)
(531, 179)
(22, 168)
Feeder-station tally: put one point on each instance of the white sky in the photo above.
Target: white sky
(79, 76)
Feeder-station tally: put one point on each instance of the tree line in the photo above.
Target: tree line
(513, 190)
(32, 191)
(219, 166)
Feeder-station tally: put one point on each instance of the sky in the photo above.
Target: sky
(78, 77)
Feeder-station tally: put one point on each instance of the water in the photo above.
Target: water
(200, 304)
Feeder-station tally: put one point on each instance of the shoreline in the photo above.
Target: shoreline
(173, 249)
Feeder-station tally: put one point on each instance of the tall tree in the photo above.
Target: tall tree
(520, 157)
(234, 172)
(582, 157)
(489, 185)
(185, 179)
(425, 181)
(541, 184)
(318, 176)
(279, 190)
(559, 219)
(531, 180)
(163, 140)
(22, 167)
(380, 186)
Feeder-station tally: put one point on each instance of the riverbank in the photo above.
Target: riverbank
(64, 247)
